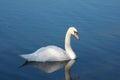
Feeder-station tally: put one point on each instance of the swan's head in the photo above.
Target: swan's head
(74, 32)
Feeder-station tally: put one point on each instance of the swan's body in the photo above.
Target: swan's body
(54, 53)
(49, 53)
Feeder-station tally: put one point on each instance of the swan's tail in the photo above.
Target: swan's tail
(26, 56)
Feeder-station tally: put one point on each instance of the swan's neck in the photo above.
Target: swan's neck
(68, 48)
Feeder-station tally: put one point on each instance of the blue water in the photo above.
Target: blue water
(27, 25)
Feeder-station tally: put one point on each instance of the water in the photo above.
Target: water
(27, 25)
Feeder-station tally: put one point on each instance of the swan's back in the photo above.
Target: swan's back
(49, 53)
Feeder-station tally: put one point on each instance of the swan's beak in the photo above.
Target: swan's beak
(76, 36)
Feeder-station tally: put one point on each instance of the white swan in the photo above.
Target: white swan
(54, 53)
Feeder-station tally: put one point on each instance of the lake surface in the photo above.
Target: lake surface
(27, 25)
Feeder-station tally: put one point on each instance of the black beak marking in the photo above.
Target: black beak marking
(75, 32)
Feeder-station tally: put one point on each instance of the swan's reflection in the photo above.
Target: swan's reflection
(47, 67)
(67, 69)
(50, 67)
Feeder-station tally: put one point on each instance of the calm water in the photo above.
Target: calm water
(26, 25)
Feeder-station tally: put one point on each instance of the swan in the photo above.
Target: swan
(54, 53)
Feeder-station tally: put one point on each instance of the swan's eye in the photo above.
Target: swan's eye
(76, 33)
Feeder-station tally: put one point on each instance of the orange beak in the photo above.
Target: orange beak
(76, 36)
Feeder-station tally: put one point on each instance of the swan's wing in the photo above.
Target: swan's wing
(49, 53)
